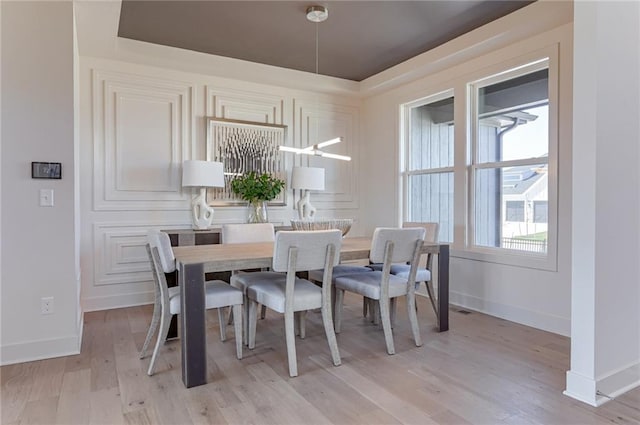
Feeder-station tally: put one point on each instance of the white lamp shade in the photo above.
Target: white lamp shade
(310, 178)
(202, 174)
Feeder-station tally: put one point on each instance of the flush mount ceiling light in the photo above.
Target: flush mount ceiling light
(317, 14)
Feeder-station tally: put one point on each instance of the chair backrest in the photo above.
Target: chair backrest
(161, 241)
(432, 229)
(247, 233)
(312, 249)
(404, 243)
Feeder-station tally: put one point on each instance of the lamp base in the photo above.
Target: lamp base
(305, 209)
(201, 213)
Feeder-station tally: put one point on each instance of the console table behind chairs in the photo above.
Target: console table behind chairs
(193, 261)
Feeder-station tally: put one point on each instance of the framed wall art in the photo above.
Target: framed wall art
(244, 146)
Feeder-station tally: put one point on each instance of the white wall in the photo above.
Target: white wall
(136, 119)
(535, 297)
(38, 252)
(605, 344)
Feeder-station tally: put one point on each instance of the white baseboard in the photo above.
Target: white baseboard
(39, 350)
(620, 381)
(117, 301)
(583, 389)
(535, 319)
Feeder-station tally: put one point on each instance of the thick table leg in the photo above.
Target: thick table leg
(192, 325)
(443, 288)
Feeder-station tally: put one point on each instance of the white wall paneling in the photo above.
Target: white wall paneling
(142, 133)
(119, 252)
(138, 123)
(316, 121)
(244, 105)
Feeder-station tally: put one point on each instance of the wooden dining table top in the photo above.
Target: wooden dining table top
(224, 257)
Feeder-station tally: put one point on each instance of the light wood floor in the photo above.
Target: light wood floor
(483, 371)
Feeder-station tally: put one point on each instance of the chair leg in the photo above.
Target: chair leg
(393, 305)
(230, 321)
(155, 320)
(302, 319)
(413, 318)
(386, 325)
(365, 306)
(375, 312)
(246, 321)
(431, 293)
(263, 312)
(165, 321)
(251, 325)
(237, 325)
(330, 332)
(291, 343)
(338, 308)
(333, 303)
(223, 324)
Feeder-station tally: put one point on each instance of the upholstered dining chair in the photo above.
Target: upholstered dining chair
(424, 273)
(246, 233)
(218, 294)
(388, 246)
(283, 292)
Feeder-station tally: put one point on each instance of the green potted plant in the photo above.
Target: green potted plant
(257, 189)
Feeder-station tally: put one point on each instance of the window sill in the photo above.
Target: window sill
(546, 262)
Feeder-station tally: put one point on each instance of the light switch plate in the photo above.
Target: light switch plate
(46, 197)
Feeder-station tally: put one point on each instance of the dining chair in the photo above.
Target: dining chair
(388, 246)
(424, 273)
(218, 294)
(246, 233)
(283, 292)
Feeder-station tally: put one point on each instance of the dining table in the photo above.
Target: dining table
(193, 262)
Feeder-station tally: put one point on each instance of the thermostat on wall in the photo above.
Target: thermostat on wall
(46, 170)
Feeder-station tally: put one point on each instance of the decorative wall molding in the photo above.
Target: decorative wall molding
(138, 123)
(244, 105)
(108, 302)
(142, 131)
(119, 254)
(315, 121)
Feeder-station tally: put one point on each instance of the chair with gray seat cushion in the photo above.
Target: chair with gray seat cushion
(283, 292)
(423, 274)
(218, 294)
(246, 233)
(389, 245)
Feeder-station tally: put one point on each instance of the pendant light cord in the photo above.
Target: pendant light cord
(317, 23)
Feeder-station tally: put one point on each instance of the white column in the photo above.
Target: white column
(605, 316)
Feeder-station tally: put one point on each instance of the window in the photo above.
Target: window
(515, 211)
(496, 198)
(428, 175)
(540, 211)
(509, 160)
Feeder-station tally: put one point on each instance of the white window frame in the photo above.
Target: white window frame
(546, 261)
(405, 147)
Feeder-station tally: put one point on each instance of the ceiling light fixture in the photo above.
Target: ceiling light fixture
(317, 14)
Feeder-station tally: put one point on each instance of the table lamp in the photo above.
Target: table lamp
(202, 174)
(307, 179)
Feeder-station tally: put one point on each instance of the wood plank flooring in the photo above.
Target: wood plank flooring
(483, 371)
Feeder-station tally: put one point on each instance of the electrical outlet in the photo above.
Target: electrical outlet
(46, 305)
